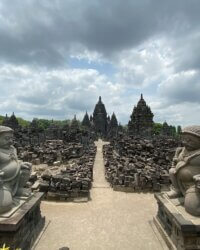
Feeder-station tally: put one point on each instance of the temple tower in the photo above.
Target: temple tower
(113, 126)
(141, 122)
(86, 121)
(100, 118)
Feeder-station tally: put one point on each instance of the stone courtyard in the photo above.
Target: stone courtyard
(111, 220)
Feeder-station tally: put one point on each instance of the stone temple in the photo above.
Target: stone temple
(141, 122)
(100, 118)
(100, 122)
(11, 122)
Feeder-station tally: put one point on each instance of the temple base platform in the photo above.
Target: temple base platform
(20, 229)
(179, 229)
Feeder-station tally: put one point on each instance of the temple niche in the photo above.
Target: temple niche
(141, 122)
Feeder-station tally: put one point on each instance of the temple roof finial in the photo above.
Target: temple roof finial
(141, 96)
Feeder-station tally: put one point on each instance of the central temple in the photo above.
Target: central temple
(100, 121)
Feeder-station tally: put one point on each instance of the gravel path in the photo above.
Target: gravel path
(110, 221)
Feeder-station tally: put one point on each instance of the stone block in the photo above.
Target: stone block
(181, 228)
(21, 229)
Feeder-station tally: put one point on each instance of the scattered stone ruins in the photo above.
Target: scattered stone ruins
(68, 179)
(63, 156)
(56, 163)
(137, 164)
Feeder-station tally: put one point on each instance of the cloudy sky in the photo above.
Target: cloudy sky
(58, 56)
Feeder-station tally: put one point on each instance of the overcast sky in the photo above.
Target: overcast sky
(57, 57)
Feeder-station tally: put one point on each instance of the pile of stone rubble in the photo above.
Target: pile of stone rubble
(135, 164)
(50, 152)
(65, 180)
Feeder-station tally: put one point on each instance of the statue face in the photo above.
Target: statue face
(191, 142)
(6, 140)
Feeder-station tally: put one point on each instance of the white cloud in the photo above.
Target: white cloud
(151, 47)
(57, 93)
(146, 64)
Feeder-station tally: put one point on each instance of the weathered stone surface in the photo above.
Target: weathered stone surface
(22, 228)
(139, 164)
(141, 122)
(70, 180)
(13, 174)
(185, 171)
(182, 229)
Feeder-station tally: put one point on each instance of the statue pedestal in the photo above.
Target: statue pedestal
(21, 228)
(179, 229)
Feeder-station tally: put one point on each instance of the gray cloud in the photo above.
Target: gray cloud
(44, 33)
(148, 42)
(182, 87)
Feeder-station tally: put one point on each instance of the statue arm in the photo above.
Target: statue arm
(23, 165)
(175, 159)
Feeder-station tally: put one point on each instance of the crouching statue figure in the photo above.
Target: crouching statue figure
(13, 174)
(185, 171)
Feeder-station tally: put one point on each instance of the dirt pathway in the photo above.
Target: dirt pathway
(110, 221)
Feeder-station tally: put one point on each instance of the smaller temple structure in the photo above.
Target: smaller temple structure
(11, 121)
(141, 122)
(113, 126)
(166, 131)
(86, 121)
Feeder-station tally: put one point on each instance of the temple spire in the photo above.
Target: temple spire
(141, 122)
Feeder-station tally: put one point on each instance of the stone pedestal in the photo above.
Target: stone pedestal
(21, 229)
(179, 229)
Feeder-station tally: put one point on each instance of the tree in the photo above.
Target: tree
(157, 128)
(179, 129)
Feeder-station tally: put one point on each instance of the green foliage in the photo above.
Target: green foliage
(45, 123)
(23, 122)
(179, 130)
(173, 130)
(157, 128)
